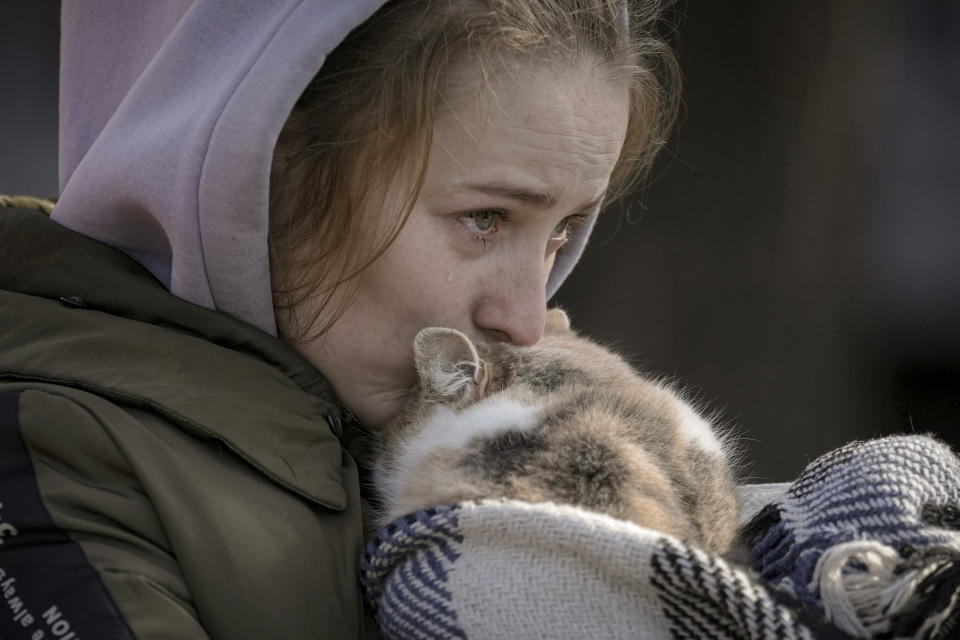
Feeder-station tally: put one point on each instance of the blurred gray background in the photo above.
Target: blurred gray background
(795, 263)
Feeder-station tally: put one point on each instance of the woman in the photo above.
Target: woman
(170, 467)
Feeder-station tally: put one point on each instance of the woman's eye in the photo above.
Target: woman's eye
(483, 224)
(564, 230)
(567, 226)
(484, 220)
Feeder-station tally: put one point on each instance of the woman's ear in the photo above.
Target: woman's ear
(557, 321)
(447, 363)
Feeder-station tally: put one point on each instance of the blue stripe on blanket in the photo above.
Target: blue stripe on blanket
(873, 511)
(404, 572)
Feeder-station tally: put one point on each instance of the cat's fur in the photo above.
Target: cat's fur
(564, 421)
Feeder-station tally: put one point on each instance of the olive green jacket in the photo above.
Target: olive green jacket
(165, 471)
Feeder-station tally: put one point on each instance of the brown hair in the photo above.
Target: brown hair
(367, 119)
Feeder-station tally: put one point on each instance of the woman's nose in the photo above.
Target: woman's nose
(516, 311)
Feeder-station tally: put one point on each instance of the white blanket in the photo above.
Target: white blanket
(863, 544)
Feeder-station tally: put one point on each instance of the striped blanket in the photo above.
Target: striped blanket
(864, 544)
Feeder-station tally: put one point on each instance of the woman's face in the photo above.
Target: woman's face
(510, 175)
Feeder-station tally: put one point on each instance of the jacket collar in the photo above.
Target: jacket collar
(82, 313)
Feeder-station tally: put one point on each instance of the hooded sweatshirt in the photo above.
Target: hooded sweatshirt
(169, 113)
(179, 454)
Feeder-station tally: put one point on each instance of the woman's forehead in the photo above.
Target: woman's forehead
(553, 124)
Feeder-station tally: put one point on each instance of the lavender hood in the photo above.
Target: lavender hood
(169, 113)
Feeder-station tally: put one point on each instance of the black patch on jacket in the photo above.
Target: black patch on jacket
(46, 583)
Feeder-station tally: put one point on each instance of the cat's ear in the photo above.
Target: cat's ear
(447, 363)
(557, 321)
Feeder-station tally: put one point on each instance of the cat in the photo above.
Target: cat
(563, 421)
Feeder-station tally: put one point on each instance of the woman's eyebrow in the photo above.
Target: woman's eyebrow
(539, 200)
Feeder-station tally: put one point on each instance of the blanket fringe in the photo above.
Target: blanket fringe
(933, 611)
(870, 589)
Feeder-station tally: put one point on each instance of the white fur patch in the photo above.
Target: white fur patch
(699, 431)
(448, 429)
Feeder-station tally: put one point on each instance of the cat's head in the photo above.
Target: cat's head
(453, 370)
